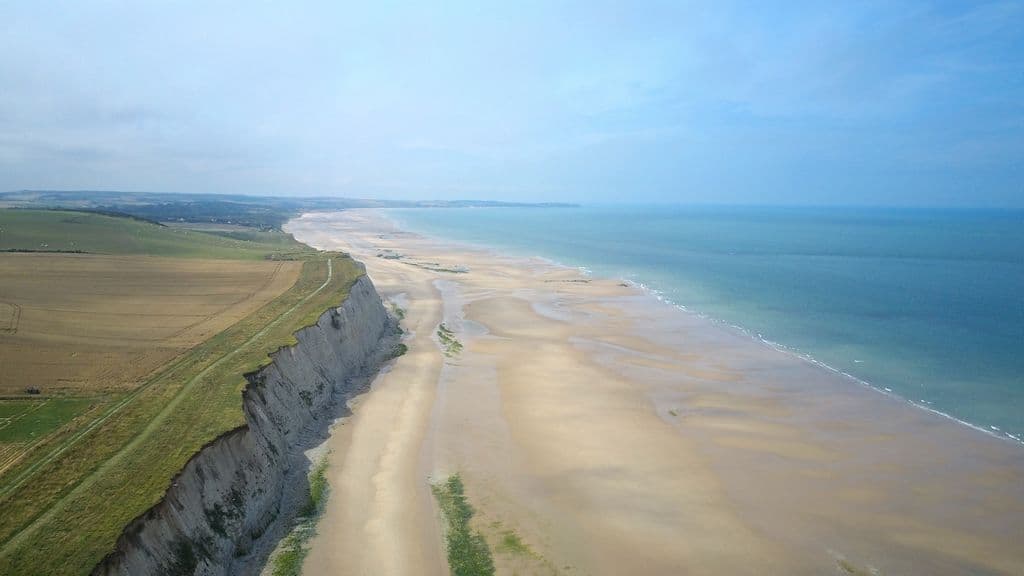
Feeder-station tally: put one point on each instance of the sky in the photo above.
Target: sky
(880, 103)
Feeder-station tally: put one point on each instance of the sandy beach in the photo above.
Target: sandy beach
(612, 434)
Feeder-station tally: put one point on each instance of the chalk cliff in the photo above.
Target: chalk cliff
(231, 502)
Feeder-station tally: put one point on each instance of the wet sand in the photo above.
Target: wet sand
(615, 434)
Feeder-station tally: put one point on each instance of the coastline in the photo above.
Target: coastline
(882, 295)
(765, 446)
(659, 295)
(925, 405)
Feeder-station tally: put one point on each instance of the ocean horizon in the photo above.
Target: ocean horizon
(924, 304)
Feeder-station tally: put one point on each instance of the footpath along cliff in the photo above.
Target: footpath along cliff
(236, 497)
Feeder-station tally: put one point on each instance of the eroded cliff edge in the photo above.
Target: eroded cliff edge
(232, 501)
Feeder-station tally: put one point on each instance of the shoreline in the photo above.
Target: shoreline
(606, 429)
(658, 295)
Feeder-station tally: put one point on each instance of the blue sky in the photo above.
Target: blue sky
(904, 103)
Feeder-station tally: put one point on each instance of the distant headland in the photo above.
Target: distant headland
(264, 212)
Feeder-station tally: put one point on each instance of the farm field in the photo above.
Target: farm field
(91, 323)
(134, 361)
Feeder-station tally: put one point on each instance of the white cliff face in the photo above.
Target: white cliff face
(235, 498)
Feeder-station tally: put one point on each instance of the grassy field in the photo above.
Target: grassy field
(101, 451)
(27, 420)
(57, 231)
(24, 423)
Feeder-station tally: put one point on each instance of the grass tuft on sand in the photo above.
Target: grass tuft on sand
(511, 543)
(468, 552)
(397, 311)
(451, 345)
(852, 569)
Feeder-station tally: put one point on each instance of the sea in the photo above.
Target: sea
(925, 304)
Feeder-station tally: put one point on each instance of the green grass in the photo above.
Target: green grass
(291, 553)
(63, 515)
(33, 419)
(17, 407)
(317, 488)
(509, 542)
(399, 350)
(468, 552)
(288, 562)
(853, 570)
(450, 344)
(68, 231)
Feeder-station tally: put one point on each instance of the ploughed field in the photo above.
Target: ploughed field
(122, 349)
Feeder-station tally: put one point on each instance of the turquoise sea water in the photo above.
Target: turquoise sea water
(926, 303)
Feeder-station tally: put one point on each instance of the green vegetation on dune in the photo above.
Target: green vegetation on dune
(69, 231)
(468, 552)
(64, 508)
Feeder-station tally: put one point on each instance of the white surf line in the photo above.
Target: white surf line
(90, 479)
